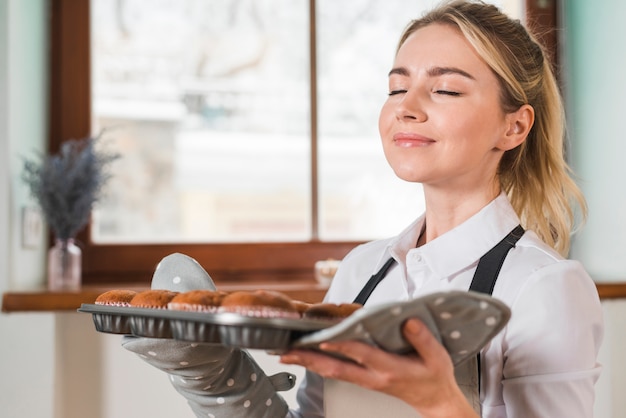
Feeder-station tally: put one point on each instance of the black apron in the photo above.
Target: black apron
(467, 374)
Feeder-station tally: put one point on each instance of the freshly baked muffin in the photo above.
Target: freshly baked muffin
(154, 298)
(200, 300)
(331, 311)
(301, 306)
(116, 297)
(114, 322)
(260, 303)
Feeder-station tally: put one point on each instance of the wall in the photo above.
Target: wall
(55, 366)
(595, 52)
(27, 348)
(596, 89)
(4, 148)
(25, 124)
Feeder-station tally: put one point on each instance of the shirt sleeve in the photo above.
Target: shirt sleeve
(551, 345)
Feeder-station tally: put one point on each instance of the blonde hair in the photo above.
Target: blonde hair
(535, 175)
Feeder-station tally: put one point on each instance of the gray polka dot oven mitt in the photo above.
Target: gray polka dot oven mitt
(217, 381)
(462, 321)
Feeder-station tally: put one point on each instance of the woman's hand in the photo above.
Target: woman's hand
(425, 381)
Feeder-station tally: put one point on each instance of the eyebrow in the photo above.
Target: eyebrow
(433, 72)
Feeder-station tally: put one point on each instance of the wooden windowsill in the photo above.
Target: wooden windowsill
(45, 301)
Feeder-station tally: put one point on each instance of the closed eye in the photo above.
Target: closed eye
(448, 92)
(394, 92)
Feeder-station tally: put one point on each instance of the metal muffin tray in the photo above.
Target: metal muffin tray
(230, 329)
(462, 321)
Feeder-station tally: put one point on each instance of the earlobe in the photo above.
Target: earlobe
(519, 124)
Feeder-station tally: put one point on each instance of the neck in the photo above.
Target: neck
(445, 212)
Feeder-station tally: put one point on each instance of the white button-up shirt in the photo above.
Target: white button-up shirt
(543, 363)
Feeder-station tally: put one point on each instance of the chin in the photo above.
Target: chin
(407, 169)
(409, 175)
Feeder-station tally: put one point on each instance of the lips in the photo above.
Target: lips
(407, 139)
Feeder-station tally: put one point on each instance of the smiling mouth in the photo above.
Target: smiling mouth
(405, 139)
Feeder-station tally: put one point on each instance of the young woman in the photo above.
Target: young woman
(474, 114)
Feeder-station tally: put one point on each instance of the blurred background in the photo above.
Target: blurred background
(176, 84)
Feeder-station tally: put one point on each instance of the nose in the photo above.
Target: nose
(410, 108)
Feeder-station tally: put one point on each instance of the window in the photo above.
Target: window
(248, 144)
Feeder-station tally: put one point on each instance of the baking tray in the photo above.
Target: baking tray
(463, 321)
(229, 329)
(109, 319)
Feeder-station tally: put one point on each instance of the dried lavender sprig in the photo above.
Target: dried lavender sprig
(68, 184)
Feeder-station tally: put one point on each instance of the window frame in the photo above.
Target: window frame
(70, 118)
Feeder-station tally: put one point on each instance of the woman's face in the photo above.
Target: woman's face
(442, 124)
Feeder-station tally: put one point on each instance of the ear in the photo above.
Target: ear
(518, 126)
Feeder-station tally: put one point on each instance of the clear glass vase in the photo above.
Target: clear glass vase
(64, 265)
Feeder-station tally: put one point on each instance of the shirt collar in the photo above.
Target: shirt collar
(461, 247)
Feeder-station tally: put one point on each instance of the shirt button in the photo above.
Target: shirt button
(417, 257)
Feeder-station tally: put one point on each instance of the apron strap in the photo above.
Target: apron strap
(490, 264)
(487, 273)
(484, 278)
(371, 284)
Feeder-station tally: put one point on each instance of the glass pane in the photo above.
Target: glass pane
(360, 196)
(208, 102)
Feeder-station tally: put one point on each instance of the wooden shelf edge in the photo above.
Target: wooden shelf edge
(44, 301)
(615, 290)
